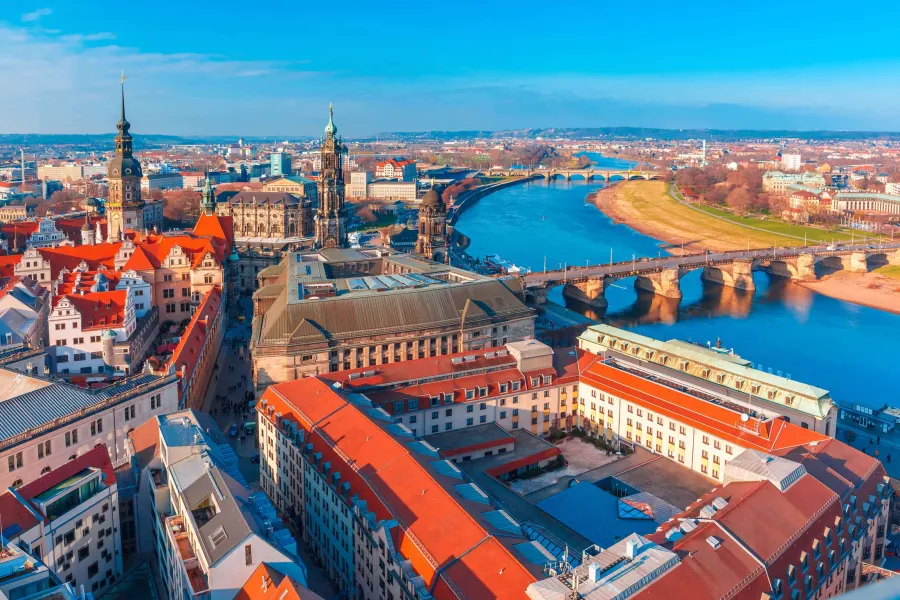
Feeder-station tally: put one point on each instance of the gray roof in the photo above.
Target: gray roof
(373, 313)
(753, 465)
(229, 519)
(57, 401)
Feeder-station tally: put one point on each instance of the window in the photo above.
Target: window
(469, 421)
(83, 552)
(43, 449)
(482, 419)
(248, 555)
(93, 568)
(448, 426)
(706, 440)
(470, 408)
(502, 414)
(434, 429)
(71, 437)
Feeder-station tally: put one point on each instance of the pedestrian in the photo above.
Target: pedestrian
(876, 452)
(889, 458)
(879, 439)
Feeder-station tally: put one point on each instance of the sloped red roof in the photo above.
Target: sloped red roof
(436, 532)
(216, 227)
(188, 350)
(69, 257)
(8, 263)
(99, 310)
(268, 583)
(714, 419)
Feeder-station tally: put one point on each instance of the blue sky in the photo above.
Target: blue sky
(270, 68)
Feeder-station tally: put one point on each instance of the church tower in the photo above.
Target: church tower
(208, 199)
(87, 232)
(433, 241)
(124, 209)
(331, 231)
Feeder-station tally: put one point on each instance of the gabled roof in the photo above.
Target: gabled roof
(98, 310)
(216, 227)
(268, 583)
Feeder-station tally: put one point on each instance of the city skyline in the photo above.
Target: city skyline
(194, 72)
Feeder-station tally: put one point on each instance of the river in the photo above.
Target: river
(848, 349)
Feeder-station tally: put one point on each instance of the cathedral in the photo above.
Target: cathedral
(124, 209)
(432, 240)
(331, 227)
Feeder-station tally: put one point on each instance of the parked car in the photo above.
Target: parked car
(234, 430)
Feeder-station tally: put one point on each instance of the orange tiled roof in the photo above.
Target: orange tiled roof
(268, 583)
(772, 435)
(188, 350)
(99, 310)
(8, 263)
(216, 227)
(69, 257)
(435, 531)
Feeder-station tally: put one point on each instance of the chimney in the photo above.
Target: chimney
(630, 549)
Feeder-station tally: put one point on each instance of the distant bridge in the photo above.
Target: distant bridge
(662, 276)
(590, 174)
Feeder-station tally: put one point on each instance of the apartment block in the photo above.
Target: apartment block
(197, 514)
(69, 518)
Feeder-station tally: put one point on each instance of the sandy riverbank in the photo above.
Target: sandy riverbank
(655, 214)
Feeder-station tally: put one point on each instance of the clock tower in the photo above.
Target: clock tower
(124, 209)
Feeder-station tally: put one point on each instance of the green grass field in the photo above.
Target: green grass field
(892, 271)
(382, 220)
(813, 234)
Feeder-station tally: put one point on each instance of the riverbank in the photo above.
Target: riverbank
(867, 289)
(648, 208)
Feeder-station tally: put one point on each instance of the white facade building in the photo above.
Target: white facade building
(47, 235)
(84, 327)
(791, 162)
(69, 518)
(66, 421)
(359, 183)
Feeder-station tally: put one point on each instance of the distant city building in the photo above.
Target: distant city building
(403, 170)
(67, 172)
(161, 181)
(791, 162)
(866, 202)
(392, 190)
(192, 179)
(268, 214)
(296, 185)
(778, 182)
(15, 213)
(280, 164)
(892, 188)
(359, 183)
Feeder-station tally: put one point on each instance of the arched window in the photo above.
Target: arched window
(45, 470)
(261, 228)
(17, 484)
(72, 457)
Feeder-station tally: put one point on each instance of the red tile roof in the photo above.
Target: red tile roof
(772, 435)
(268, 583)
(435, 531)
(216, 227)
(70, 257)
(8, 263)
(185, 356)
(99, 310)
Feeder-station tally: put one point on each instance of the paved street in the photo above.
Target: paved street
(886, 447)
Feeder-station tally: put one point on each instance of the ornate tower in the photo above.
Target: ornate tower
(331, 229)
(208, 199)
(125, 209)
(433, 241)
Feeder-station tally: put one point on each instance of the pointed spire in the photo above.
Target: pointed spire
(123, 126)
(330, 129)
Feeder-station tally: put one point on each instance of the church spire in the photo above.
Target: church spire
(330, 129)
(208, 198)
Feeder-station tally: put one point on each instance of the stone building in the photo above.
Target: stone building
(124, 209)
(268, 215)
(346, 309)
(432, 240)
(331, 226)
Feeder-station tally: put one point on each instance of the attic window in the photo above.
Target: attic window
(217, 537)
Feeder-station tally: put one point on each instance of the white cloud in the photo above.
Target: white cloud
(37, 14)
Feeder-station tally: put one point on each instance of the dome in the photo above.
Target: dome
(432, 197)
(85, 226)
(330, 129)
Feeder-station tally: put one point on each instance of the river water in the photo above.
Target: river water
(848, 349)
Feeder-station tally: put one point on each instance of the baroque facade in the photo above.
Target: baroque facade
(432, 240)
(331, 227)
(268, 214)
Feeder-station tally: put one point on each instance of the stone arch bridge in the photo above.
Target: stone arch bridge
(583, 174)
(662, 276)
